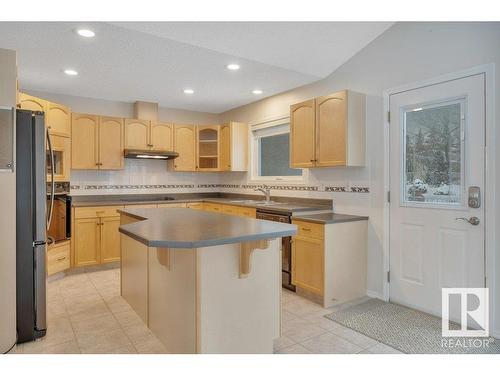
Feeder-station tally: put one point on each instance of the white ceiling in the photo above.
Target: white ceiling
(155, 61)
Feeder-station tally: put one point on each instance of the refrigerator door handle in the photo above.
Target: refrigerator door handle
(53, 184)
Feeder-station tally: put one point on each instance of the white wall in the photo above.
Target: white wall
(406, 53)
(8, 78)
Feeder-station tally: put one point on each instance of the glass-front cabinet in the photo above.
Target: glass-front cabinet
(208, 146)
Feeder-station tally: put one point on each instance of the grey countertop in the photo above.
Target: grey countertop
(329, 218)
(186, 228)
(283, 204)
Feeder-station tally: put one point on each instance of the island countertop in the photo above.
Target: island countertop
(188, 229)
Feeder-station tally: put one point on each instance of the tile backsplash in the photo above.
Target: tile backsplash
(145, 176)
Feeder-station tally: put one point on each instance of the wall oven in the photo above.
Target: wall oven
(60, 225)
(286, 245)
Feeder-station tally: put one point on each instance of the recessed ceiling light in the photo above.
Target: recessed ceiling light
(188, 91)
(257, 92)
(233, 66)
(71, 72)
(86, 33)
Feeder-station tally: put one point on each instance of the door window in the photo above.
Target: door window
(433, 154)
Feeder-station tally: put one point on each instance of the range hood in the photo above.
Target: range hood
(149, 154)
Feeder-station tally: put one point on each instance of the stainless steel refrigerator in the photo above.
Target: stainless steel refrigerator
(31, 224)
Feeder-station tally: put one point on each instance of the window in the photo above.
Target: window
(433, 170)
(271, 152)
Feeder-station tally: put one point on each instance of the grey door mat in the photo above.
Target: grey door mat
(407, 330)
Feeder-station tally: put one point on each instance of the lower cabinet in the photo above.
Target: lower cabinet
(329, 260)
(96, 239)
(87, 241)
(307, 264)
(110, 239)
(58, 257)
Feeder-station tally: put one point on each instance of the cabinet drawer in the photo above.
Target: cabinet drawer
(102, 211)
(212, 207)
(247, 212)
(58, 257)
(195, 205)
(171, 205)
(141, 206)
(307, 229)
(230, 210)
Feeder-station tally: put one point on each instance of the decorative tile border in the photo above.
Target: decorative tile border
(330, 189)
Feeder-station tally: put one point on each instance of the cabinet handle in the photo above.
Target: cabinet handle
(61, 258)
(150, 145)
(306, 229)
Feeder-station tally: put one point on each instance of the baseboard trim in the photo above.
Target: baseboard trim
(373, 294)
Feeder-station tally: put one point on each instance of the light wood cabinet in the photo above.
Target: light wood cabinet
(307, 263)
(58, 119)
(161, 136)
(302, 134)
(84, 151)
(207, 148)
(233, 150)
(195, 205)
(58, 257)
(149, 135)
(210, 206)
(87, 242)
(185, 145)
(96, 238)
(110, 239)
(328, 131)
(31, 103)
(329, 260)
(57, 116)
(97, 142)
(137, 134)
(110, 143)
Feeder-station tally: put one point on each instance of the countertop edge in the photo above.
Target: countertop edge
(334, 221)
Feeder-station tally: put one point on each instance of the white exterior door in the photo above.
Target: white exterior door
(437, 138)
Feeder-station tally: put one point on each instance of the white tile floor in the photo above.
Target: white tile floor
(85, 314)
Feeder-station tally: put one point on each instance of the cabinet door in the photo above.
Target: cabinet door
(110, 239)
(207, 149)
(87, 241)
(185, 145)
(308, 263)
(302, 134)
(225, 148)
(137, 134)
(58, 119)
(32, 103)
(162, 136)
(84, 129)
(111, 143)
(331, 130)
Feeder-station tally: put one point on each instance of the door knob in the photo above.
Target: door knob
(473, 220)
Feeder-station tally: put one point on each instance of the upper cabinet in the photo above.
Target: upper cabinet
(84, 149)
(110, 143)
(233, 149)
(97, 142)
(57, 116)
(149, 135)
(58, 119)
(302, 134)
(185, 145)
(31, 103)
(137, 134)
(161, 136)
(328, 131)
(207, 149)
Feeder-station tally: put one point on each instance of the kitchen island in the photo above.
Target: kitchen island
(203, 282)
